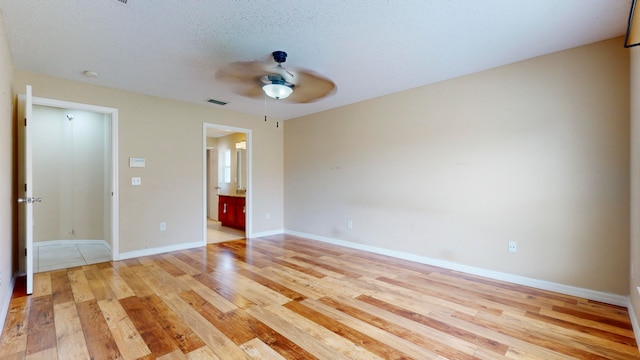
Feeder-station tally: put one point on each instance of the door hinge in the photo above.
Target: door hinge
(25, 121)
(25, 187)
(25, 251)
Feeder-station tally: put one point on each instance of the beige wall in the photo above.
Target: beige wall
(635, 181)
(69, 163)
(8, 264)
(169, 135)
(535, 152)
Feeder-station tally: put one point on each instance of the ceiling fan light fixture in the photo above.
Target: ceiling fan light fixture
(277, 90)
(276, 81)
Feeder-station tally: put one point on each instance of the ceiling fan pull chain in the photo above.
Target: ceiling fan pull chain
(265, 107)
(278, 109)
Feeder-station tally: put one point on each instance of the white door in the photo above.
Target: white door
(25, 188)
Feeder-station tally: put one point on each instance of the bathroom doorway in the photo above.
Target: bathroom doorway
(226, 183)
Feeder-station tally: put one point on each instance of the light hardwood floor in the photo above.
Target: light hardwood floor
(286, 297)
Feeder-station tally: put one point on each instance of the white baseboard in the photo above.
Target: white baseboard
(4, 309)
(634, 322)
(265, 233)
(604, 297)
(159, 250)
(71, 242)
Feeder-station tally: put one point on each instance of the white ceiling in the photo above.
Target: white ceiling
(369, 48)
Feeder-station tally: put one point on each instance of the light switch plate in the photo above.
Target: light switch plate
(136, 162)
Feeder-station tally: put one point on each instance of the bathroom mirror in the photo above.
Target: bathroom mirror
(241, 174)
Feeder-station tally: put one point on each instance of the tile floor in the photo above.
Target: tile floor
(62, 256)
(217, 233)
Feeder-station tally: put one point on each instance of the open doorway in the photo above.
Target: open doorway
(73, 152)
(227, 179)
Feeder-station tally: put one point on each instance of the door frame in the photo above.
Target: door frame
(249, 186)
(212, 157)
(113, 112)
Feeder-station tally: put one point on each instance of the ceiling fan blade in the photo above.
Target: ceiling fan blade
(251, 91)
(242, 72)
(310, 87)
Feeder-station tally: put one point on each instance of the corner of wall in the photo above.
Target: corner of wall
(8, 166)
(5, 301)
(634, 321)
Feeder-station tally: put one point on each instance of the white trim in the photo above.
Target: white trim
(604, 297)
(6, 302)
(115, 189)
(72, 105)
(265, 233)
(249, 186)
(71, 242)
(634, 321)
(159, 250)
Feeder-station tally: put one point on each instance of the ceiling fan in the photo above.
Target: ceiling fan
(256, 79)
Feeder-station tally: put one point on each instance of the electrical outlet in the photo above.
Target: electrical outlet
(163, 226)
(513, 246)
(267, 215)
(350, 224)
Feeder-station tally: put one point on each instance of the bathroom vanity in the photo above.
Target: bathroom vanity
(231, 211)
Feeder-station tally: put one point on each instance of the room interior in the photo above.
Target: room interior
(71, 172)
(540, 151)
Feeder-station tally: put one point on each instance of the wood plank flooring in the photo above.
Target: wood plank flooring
(284, 297)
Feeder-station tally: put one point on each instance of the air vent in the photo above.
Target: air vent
(122, 2)
(217, 102)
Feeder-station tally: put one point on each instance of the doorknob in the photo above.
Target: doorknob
(29, 200)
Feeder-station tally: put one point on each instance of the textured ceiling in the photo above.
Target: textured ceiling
(172, 49)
